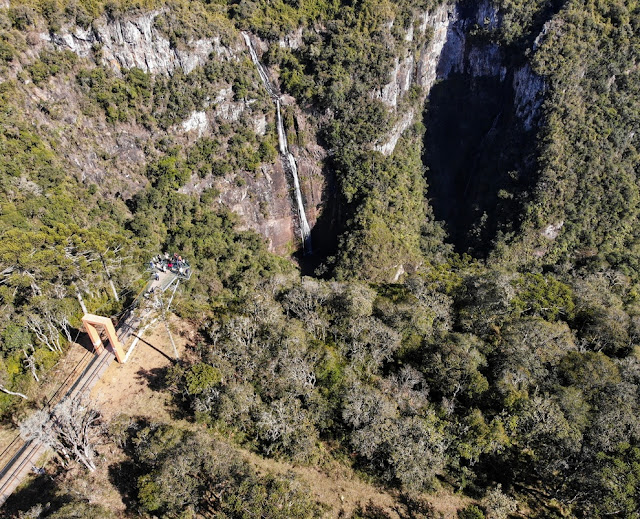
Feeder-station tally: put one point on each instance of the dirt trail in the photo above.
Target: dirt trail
(132, 388)
(135, 389)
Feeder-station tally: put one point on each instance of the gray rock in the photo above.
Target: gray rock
(450, 52)
(529, 89)
(135, 42)
(485, 60)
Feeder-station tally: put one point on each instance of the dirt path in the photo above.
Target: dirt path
(133, 388)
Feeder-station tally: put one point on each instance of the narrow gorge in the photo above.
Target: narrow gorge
(479, 102)
(481, 124)
(481, 113)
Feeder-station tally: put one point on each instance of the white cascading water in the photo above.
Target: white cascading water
(290, 161)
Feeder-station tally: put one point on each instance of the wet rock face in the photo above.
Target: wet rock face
(309, 156)
(263, 204)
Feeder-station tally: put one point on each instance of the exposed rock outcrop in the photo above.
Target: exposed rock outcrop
(292, 40)
(449, 51)
(396, 132)
(529, 91)
(262, 199)
(135, 42)
(419, 69)
(197, 122)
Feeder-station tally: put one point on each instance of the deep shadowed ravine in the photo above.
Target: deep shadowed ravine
(479, 159)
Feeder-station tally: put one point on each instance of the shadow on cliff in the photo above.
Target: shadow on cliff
(480, 160)
(324, 235)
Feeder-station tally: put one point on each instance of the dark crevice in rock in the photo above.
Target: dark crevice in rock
(481, 121)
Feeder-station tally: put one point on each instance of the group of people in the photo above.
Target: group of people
(175, 264)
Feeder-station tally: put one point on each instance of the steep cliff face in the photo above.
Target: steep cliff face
(480, 139)
(438, 47)
(450, 50)
(262, 198)
(529, 89)
(129, 42)
(474, 57)
(418, 67)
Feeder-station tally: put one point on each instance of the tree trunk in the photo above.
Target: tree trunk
(106, 271)
(81, 301)
(113, 289)
(85, 460)
(31, 364)
(5, 390)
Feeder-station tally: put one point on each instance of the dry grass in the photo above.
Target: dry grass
(132, 389)
(340, 488)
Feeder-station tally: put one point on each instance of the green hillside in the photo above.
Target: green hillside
(469, 322)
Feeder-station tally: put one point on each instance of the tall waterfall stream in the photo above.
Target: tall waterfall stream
(289, 160)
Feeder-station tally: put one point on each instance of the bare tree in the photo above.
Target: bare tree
(4, 379)
(30, 362)
(44, 328)
(69, 429)
(305, 301)
(369, 343)
(498, 505)
(284, 426)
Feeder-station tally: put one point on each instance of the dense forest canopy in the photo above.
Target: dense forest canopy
(500, 361)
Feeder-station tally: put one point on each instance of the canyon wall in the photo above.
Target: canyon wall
(261, 199)
(437, 46)
(449, 51)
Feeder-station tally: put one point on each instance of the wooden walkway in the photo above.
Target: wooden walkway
(20, 457)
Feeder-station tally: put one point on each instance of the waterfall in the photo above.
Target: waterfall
(289, 161)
